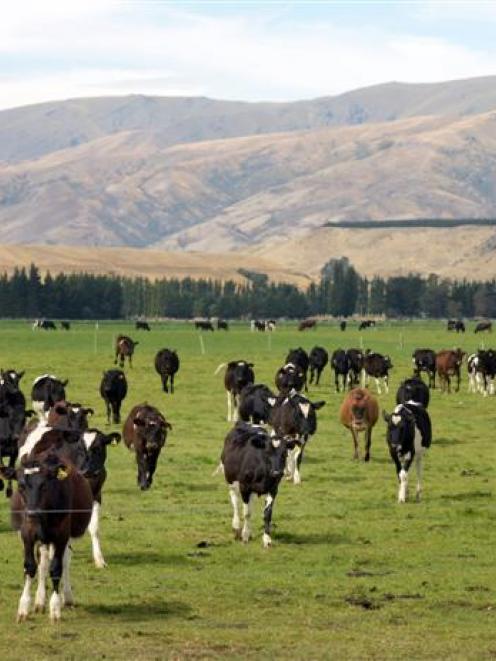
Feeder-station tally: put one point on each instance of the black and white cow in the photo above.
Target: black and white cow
(256, 402)
(481, 367)
(340, 365)
(142, 325)
(355, 365)
(294, 419)
(377, 366)
(113, 389)
(253, 463)
(44, 324)
(47, 389)
(413, 390)
(238, 374)
(167, 365)
(409, 435)
(299, 357)
(317, 360)
(290, 377)
(424, 360)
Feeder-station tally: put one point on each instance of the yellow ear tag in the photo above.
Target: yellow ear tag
(62, 474)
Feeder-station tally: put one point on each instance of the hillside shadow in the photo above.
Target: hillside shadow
(145, 558)
(311, 538)
(141, 611)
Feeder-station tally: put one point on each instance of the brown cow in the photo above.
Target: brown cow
(359, 412)
(307, 323)
(448, 363)
(124, 346)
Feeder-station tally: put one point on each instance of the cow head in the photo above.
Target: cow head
(277, 452)
(96, 443)
(10, 380)
(400, 431)
(304, 416)
(38, 480)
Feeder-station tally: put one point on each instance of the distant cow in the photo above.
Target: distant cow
(238, 374)
(145, 432)
(424, 360)
(409, 434)
(47, 390)
(359, 413)
(484, 326)
(142, 325)
(355, 365)
(113, 389)
(256, 402)
(167, 365)
(341, 366)
(290, 377)
(318, 359)
(204, 325)
(270, 325)
(342, 325)
(456, 325)
(448, 363)
(124, 346)
(65, 325)
(253, 464)
(413, 390)
(222, 325)
(366, 323)
(258, 325)
(294, 419)
(377, 366)
(44, 324)
(305, 324)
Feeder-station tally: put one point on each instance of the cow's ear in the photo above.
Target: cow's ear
(64, 383)
(386, 416)
(89, 411)
(168, 425)
(251, 364)
(113, 438)
(318, 405)
(20, 375)
(139, 422)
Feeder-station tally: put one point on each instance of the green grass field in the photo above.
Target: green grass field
(351, 575)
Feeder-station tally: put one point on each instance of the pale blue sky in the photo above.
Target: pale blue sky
(274, 51)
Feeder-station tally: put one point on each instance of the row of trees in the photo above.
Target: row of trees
(341, 291)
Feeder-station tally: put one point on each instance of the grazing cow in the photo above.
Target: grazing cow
(124, 346)
(253, 464)
(167, 365)
(270, 325)
(318, 359)
(455, 325)
(448, 363)
(355, 365)
(424, 360)
(142, 325)
(340, 364)
(484, 326)
(290, 377)
(145, 432)
(47, 390)
(204, 325)
(359, 413)
(305, 324)
(258, 325)
(366, 323)
(52, 506)
(222, 325)
(409, 434)
(44, 324)
(342, 325)
(413, 390)
(481, 368)
(113, 389)
(377, 366)
(294, 419)
(256, 403)
(65, 325)
(238, 374)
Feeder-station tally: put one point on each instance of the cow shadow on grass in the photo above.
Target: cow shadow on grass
(311, 538)
(140, 611)
(139, 558)
(445, 441)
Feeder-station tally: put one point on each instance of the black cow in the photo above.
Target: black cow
(409, 434)
(65, 325)
(413, 390)
(204, 325)
(294, 419)
(167, 365)
(290, 377)
(113, 389)
(47, 390)
(238, 374)
(355, 366)
(253, 464)
(340, 364)
(484, 326)
(317, 360)
(424, 360)
(342, 325)
(256, 403)
(142, 325)
(222, 325)
(366, 323)
(299, 357)
(377, 366)
(145, 432)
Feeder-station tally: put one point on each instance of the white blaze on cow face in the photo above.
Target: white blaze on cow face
(305, 408)
(276, 442)
(89, 438)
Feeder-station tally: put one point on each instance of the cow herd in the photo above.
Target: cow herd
(58, 460)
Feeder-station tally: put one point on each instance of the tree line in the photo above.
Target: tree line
(341, 291)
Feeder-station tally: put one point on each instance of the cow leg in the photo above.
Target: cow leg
(164, 383)
(130, 358)
(403, 490)
(172, 383)
(368, 443)
(386, 383)
(354, 435)
(29, 573)
(267, 515)
(142, 483)
(40, 598)
(152, 466)
(235, 399)
(419, 468)
(458, 380)
(95, 539)
(234, 497)
(298, 456)
(378, 385)
(56, 566)
(229, 406)
(248, 499)
(311, 374)
(116, 357)
(66, 577)
(290, 468)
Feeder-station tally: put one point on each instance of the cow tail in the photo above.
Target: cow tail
(219, 368)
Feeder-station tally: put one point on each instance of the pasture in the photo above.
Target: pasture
(351, 575)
